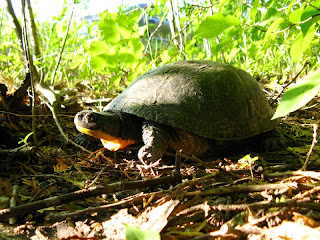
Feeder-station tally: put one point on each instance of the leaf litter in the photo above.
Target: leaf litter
(79, 195)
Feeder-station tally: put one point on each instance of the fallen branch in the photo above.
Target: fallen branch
(208, 209)
(5, 214)
(120, 204)
(241, 189)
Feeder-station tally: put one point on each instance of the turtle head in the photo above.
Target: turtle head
(103, 125)
(98, 124)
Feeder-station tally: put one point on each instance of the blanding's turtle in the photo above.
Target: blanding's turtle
(186, 105)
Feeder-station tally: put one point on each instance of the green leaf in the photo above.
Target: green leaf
(308, 12)
(136, 45)
(272, 13)
(222, 3)
(273, 27)
(97, 63)
(133, 233)
(254, 10)
(301, 43)
(290, 6)
(97, 48)
(109, 30)
(295, 16)
(299, 95)
(212, 26)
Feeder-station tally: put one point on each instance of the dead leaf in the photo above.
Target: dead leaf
(158, 216)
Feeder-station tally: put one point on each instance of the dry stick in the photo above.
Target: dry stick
(85, 193)
(253, 206)
(31, 69)
(289, 83)
(128, 200)
(122, 203)
(15, 21)
(242, 189)
(313, 144)
(311, 174)
(35, 35)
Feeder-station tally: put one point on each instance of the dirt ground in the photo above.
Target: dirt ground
(55, 190)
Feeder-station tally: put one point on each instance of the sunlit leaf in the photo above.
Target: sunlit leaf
(290, 6)
(301, 43)
(97, 48)
(299, 95)
(126, 55)
(273, 27)
(134, 233)
(223, 2)
(295, 16)
(310, 16)
(271, 14)
(136, 45)
(136, 16)
(254, 10)
(97, 63)
(212, 26)
(109, 30)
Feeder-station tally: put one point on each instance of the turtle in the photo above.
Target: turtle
(187, 106)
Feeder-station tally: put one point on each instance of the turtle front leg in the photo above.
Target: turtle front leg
(155, 141)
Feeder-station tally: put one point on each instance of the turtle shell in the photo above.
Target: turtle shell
(210, 99)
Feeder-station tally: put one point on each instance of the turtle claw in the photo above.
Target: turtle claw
(149, 154)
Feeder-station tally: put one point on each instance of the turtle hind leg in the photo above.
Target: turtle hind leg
(155, 137)
(270, 141)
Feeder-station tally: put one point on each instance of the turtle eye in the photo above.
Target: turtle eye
(89, 117)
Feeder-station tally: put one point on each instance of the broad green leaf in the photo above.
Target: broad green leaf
(136, 45)
(301, 43)
(126, 55)
(109, 30)
(136, 16)
(222, 3)
(310, 11)
(97, 48)
(290, 6)
(272, 28)
(97, 63)
(296, 47)
(115, 80)
(125, 32)
(133, 233)
(212, 26)
(299, 95)
(254, 10)
(295, 16)
(272, 13)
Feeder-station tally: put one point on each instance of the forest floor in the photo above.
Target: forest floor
(63, 192)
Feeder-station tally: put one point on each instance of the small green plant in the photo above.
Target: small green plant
(247, 160)
(25, 139)
(134, 233)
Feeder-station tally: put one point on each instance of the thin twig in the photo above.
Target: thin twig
(129, 201)
(63, 45)
(154, 32)
(85, 193)
(313, 144)
(31, 70)
(289, 83)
